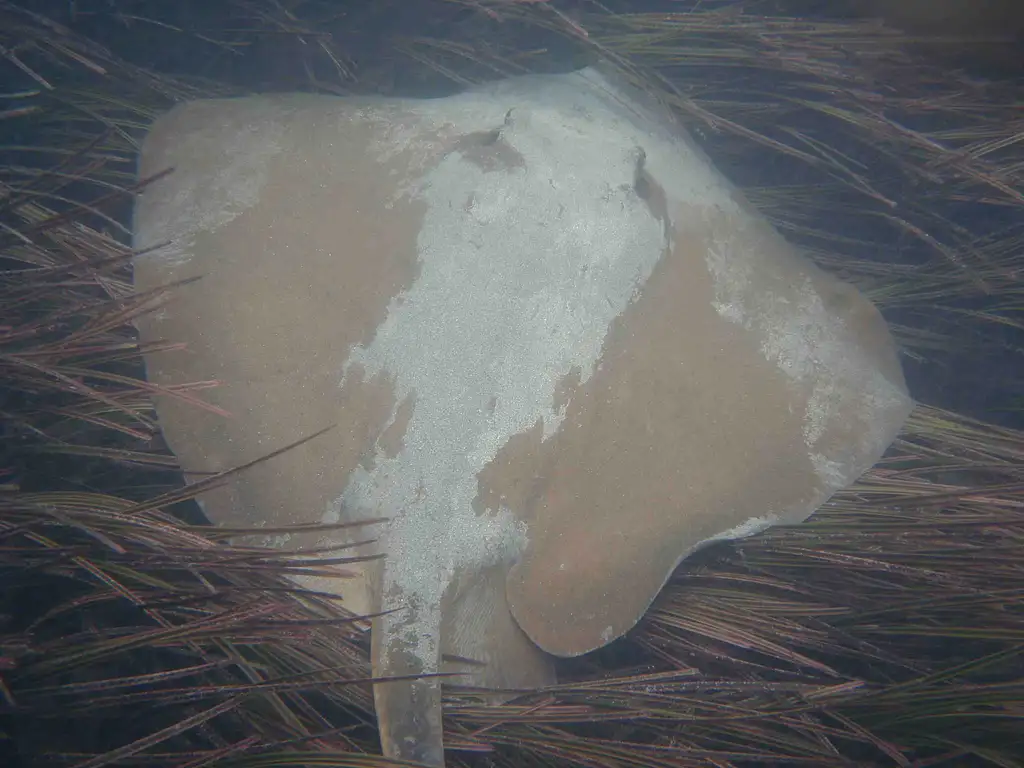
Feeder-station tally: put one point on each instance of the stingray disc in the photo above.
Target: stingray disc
(561, 352)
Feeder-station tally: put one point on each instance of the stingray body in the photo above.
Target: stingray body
(561, 353)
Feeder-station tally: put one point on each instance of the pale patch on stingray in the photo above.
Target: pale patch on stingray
(491, 327)
(391, 440)
(226, 162)
(565, 389)
(751, 527)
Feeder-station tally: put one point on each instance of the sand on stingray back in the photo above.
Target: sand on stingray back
(561, 353)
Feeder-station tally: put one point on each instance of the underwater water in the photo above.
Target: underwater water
(974, 378)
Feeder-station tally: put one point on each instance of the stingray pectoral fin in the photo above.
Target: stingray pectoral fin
(408, 709)
(483, 646)
(580, 587)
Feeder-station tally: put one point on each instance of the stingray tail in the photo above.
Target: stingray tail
(405, 645)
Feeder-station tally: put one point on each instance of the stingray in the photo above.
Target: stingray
(560, 353)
